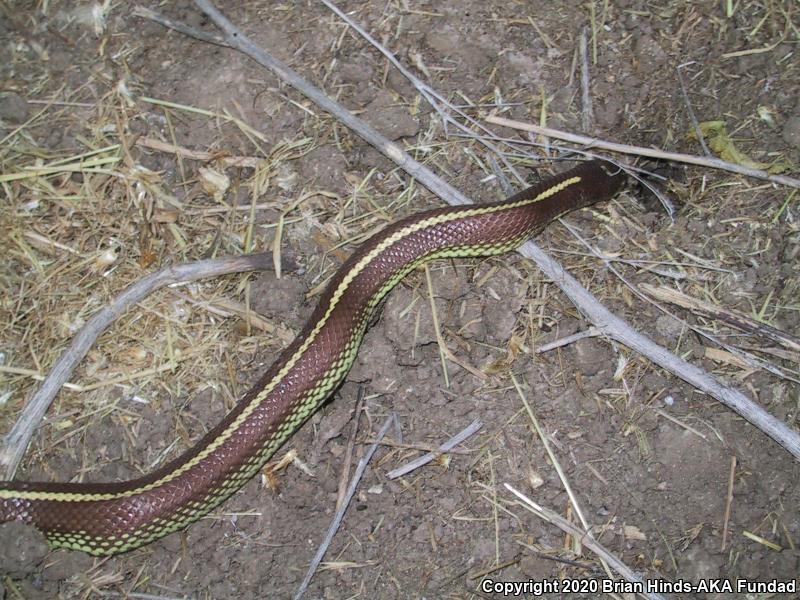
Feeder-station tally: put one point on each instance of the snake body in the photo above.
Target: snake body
(109, 518)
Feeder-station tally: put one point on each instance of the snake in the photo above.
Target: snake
(113, 517)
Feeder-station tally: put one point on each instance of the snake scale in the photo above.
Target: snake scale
(109, 518)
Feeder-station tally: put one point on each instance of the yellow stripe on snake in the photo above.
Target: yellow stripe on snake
(108, 518)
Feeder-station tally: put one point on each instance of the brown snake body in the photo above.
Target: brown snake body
(107, 518)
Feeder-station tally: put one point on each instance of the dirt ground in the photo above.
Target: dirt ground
(648, 457)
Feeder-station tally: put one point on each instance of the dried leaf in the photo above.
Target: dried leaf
(716, 134)
(632, 532)
(214, 183)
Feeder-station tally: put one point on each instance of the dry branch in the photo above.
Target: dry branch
(590, 142)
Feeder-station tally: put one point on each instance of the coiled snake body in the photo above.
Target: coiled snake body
(108, 518)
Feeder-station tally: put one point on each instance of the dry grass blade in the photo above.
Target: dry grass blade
(763, 541)
(728, 502)
(443, 350)
(555, 462)
(348, 455)
(679, 423)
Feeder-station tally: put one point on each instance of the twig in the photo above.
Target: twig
(714, 163)
(454, 441)
(16, 441)
(728, 502)
(138, 595)
(420, 447)
(567, 340)
(586, 539)
(678, 422)
(228, 161)
(598, 314)
(146, 13)
(337, 518)
(588, 567)
(348, 455)
(587, 113)
(695, 125)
